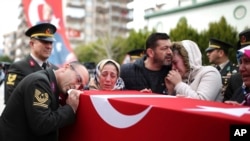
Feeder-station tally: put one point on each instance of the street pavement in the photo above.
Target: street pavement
(1, 98)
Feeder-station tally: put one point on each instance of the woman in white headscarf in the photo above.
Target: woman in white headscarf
(188, 78)
(107, 76)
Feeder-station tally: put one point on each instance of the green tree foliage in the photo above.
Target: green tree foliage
(104, 47)
(118, 49)
(86, 53)
(183, 31)
(5, 59)
(220, 30)
(96, 51)
(135, 40)
(115, 49)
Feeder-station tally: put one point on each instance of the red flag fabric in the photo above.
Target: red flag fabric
(136, 116)
(38, 11)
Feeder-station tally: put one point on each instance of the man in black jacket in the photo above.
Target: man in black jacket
(41, 39)
(148, 73)
(32, 113)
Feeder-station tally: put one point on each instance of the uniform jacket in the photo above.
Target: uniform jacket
(32, 112)
(227, 71)
(203, 82)
(136, 77)
(17, 71)
(234, 88)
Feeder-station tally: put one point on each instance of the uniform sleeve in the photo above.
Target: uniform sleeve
(13, 77)
(43, 112)
(229, 91)
(235, 82)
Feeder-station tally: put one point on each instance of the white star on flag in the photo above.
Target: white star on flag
(238, 112)
(55, 21)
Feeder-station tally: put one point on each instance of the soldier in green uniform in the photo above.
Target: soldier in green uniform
(217, 53)
(41, 40)
(33, 111)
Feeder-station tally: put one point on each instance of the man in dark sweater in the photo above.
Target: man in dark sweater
(148, 73)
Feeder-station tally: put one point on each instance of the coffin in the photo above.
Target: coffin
(135, 116)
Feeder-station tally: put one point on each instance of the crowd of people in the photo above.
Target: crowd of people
(40, 97)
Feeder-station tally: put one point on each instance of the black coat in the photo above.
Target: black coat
(137, 77)
(32, 112)
(17, 71)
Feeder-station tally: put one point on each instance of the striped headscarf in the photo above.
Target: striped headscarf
(243, 51)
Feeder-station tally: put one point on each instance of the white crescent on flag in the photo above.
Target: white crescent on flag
(33, 11)
(113, 117)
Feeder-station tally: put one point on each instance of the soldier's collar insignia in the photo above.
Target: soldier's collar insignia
(32, 63)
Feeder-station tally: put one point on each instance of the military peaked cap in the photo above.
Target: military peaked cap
(244, 38)
(42, 31)
(217, 44)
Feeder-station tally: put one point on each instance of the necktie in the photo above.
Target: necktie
(44, 65)
(218, 68)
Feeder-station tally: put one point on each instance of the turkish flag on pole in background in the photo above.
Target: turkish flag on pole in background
(38, 11)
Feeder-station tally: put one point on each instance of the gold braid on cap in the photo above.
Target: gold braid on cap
(42, 34)
(244, 43)
(214, 46)
(135, 56)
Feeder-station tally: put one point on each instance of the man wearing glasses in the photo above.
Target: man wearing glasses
(41, 40)
(33, 111)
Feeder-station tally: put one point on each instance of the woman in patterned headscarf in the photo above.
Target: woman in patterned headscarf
(107, 76)
(242, 94)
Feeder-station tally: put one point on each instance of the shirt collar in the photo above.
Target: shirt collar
(223, 64)
(39, 62)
